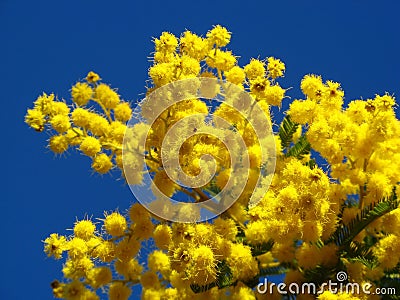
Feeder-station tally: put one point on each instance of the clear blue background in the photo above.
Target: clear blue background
(48, 45)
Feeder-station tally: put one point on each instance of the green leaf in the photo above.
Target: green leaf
(301, 148)
(286, 131)
(344, 234)
(261, 248)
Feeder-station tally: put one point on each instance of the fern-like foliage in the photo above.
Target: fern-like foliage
(261, 248)
(301, 148)
(286, 131)
(361, 252)
(344, 234)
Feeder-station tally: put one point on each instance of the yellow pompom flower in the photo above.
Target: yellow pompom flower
(149, 280)
(102, 163)
(242, 263)
(143, 230)
(387, 250)
(77, 248)
(158, 261)
(219, 36)
(99, 125)
(119, 291)
(74, 290)
(35, 119)
(98, 277)
(59, 108)
(44, 103)
(221, 60)
(254, 69)
(203, 263)
(58, 144)
(193, 45)
(84, 229)
(81, 117)
(226, 228)
(90, 146)
(74, 136)
(60, 123)
(115, 224)
(123, 112)
(55, 245)
(236, 75)
(162, 236)
(81, 93)
(166, 43)
(106, 96)
(105, 251)
(275, 67)
(312, 86)
(130, 269)
(274, 95)
(161, 73)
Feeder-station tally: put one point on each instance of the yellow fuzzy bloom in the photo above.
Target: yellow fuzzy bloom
(44, 103)
(60, 123)
(130, 269)
(74, 136)
(59, 108)
(221, 60)
(254, 69)
(90, 146)
(159, 261)
(149, 280)
(99, 277)
(106, 96)
(102, 163)
(312, 86)
(162, 236)
(119, 291)
(226, 228)
(81, 117)
(115, 224)
(123, 112)
(143, 230)
(166, 43)
(242, 263)
(55, 245)
(275, 67)
(35, 119)
(81, 93)
(236, 75)
(161, 73)
(219, 36)
(92, 77)
(274, 95)
(58, 144)
(193, 45)
(99, 125)
(127, 248)
(84, 229)
(77, 248)
(243, 292)
(386, 251)
(105, 251)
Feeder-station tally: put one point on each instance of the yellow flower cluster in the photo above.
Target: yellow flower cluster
(97, 135)
(312, 219)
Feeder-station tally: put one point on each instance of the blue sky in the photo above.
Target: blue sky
(48, 45)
